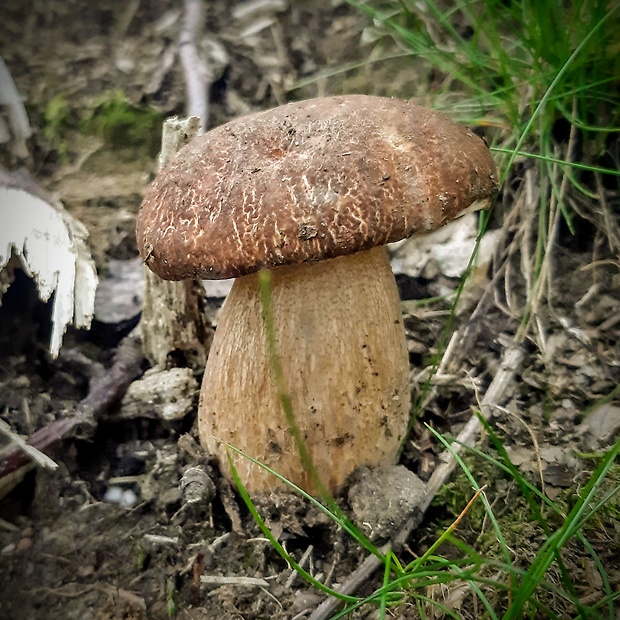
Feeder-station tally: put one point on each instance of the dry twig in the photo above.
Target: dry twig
(33, 453)
(194, 68)
(103, 393)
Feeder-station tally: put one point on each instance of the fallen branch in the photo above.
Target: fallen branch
(103, 393)
(511, 362)
(31, 452)
(198, 75)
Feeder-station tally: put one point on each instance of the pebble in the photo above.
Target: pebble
(126, 498)
(23, 544)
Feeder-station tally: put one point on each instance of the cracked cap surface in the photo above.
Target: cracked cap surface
(307, 181)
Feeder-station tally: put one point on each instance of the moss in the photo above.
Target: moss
(55, 120)
(56, 117)
(121, 124)
(454, 495)
(110, 117)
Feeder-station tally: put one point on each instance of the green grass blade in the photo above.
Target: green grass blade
(574, 521)
(338, 517)
(275, 543)
(496, 528)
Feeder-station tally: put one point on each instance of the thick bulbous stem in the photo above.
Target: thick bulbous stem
(340, 339)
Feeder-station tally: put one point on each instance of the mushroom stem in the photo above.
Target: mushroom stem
(341, 343)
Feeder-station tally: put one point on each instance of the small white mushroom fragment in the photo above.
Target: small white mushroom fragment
(50, 245)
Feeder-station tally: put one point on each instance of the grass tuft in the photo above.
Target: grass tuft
(541, 80)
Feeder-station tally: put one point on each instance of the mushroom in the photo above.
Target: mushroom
(312, 191)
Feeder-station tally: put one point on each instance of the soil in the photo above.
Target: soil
(112, 533)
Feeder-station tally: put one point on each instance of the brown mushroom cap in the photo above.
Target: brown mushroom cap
(307, 181)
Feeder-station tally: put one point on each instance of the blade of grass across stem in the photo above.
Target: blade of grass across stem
(335, 512)
(277, 374)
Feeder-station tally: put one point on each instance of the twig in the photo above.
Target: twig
(219, 580)
(304, 559)
(198, 75)
(109, 389)
(103, 392)
(511, 362)
(36, 455)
